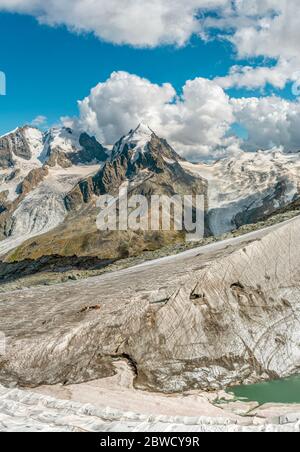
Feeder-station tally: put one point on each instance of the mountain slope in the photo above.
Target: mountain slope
(36, 173)
(144, 168)
(248, 187)
(139, 157)
(23, 144)
(50, 183)
(66, 147)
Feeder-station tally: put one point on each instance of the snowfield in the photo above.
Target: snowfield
(62, 139)
(243, 181)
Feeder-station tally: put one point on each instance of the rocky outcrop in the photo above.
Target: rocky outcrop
(14, 144)
(66, 147)
(92, 150)
(3, 201)
(212, 317)
(155, 159)
(58, 158)
(33, 179)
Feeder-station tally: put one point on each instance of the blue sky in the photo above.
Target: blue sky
(49, 67)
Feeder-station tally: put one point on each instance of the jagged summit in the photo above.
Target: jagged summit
(142, 145)
(136, 140)
(59, 146)
(46, 175)
(19, 129)
(142, 133)
(22, 145)
(143, 129)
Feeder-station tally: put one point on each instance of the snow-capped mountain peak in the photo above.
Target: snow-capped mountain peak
(35, 140)
(136, 140)
(142, 134)
(38, 167)
(63, 139)
(21, 147)
(66, 147)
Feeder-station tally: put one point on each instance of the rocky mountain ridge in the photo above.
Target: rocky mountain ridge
(248, 187)
(215, 316)
(50, 181)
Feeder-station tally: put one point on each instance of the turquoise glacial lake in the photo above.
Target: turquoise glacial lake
(277, 391)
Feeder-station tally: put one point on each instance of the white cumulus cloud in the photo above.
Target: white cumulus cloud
(263, 28)
(256, 28)
(39, 121)
(270, 122)
(136, 22)
(195, 123)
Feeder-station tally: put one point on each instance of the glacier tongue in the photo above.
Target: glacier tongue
(33, 217)
(42, 210)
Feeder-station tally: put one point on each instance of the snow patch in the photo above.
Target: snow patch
(35, 140)
(137, 140)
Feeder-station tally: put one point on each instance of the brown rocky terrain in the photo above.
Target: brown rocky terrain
(156, 172)
(11, 145)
